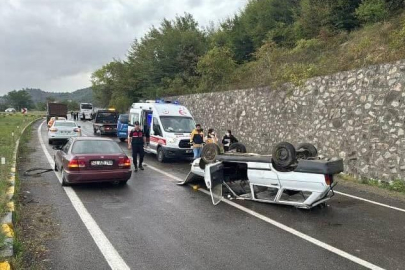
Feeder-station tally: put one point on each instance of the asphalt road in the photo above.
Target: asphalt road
(154, 224)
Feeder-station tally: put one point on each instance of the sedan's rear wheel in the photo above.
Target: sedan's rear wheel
(50, 142)
(64, 182)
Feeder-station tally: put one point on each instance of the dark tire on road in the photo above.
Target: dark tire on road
(122, 139)
(237, 147)
(55, 168)
(209, 152)
(283, 155)
(122, 183)
(64, 182)
(310, 148)
(50, 142)
(161, 155)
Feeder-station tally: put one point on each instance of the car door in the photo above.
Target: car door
(64, 160)
(213, 177)
(156, 134)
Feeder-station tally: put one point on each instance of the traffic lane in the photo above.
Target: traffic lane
(72, 247)
(155, 224)
(349, 224)
(185, 229)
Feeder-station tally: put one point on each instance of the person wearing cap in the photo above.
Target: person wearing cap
(136, 141)
(197, 140)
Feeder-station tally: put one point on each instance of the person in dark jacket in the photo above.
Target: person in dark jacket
(228, 139)
(136, 141)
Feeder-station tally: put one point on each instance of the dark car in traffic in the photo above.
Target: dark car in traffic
(92, 159)
(105, 122)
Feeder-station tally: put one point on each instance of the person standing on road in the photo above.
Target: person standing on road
(228, 139)
(211, 136)
(197, 140)
(136, 141)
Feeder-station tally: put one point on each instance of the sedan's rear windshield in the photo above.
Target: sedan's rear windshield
(64, 124)
(96, 147)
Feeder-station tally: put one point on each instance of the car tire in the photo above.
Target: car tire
(237, 147)
(50, 142)
(55, 168)
(122, 139)
(64, 182)
(283, 156)
(161, 155)
(210, 152)
(310, 148)
(122, 183)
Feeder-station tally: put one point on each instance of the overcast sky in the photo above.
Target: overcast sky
(55, 45)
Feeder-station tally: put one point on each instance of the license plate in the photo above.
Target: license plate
(101, 163)
(189, 151)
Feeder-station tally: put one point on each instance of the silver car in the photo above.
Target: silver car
(62, 130)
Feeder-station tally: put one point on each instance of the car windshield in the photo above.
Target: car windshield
(124, 118)
(177, 124)
(96, 147)
(86, 106)
(107, 117)
(64, 124)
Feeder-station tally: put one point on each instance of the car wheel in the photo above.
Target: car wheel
(55, 168)
(50, 142)
(237, 147)
(283, 156)
(209, 152)
(310, 149)
(161, 155)
(64, 182)
(122, 139)
(123, 183)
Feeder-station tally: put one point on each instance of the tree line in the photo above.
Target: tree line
(179, 57)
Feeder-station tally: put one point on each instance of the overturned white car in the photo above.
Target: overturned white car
(289, 176)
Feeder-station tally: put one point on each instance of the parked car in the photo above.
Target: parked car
(10, 110)
(105, 122)
(92, 159)
(62, 130)
(122, 127)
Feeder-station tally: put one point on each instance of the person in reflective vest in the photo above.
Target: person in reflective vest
(136, 140)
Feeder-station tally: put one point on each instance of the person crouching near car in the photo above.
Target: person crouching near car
(211, 136)
(136, 140)
(197, 140)
(228, 139)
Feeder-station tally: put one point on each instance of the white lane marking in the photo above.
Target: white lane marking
(284, 227)
(370, 201)
(107, 249)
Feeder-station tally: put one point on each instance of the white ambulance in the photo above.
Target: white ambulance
(168, 127)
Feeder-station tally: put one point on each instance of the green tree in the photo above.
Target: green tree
(19, 99)
(371, 11)
(216, 68)
(40, 106)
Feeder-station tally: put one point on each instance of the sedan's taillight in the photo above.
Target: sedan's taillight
(124, 163)
(328, 179)
(76, 164)
(53, 129)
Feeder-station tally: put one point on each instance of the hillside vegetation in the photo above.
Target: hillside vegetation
(268, 43)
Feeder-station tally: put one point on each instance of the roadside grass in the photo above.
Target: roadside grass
(396, 185)
(11, 126)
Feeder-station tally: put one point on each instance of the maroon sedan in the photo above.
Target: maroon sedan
(92, 159)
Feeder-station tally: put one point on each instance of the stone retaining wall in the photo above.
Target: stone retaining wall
(357, 115)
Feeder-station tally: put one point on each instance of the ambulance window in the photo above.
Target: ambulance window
(156, 127)
(133, 118)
